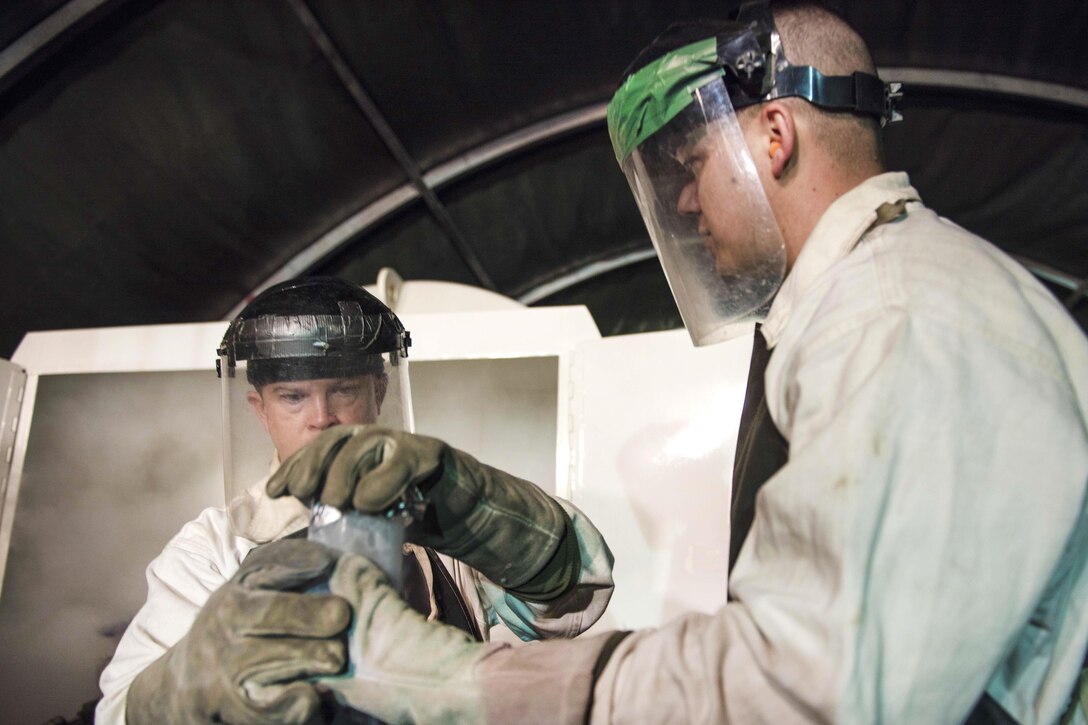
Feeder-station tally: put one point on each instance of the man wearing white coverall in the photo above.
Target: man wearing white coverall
(920, 556)
(295, 403)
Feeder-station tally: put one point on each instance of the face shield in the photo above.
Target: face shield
(708, 217)
(674, 128)
(287, 377)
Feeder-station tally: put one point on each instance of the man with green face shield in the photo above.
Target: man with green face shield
(909, 531)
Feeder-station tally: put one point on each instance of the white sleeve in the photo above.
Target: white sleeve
(180, 580)
(897, 554)
(570, 614)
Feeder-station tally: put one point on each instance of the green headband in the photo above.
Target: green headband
(654, 95)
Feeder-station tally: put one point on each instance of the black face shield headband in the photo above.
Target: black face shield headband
(759, 70)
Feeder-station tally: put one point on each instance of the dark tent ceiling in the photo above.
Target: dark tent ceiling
(161, 161)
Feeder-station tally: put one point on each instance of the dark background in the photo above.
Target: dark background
(160, 161)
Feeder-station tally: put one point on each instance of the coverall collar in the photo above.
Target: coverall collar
(837, 232)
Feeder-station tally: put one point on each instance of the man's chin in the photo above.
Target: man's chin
(746, 270)
(733, 273)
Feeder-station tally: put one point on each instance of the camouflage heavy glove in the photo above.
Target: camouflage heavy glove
(249, 652)
(405, 669)
(502, 526)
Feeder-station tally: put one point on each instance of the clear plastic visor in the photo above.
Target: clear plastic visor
(701, 198)
(265, 424)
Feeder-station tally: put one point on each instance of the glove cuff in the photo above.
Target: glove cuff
(502, 526)
(547, 682)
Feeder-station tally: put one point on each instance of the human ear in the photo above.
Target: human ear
(780, 134)
(256, 401)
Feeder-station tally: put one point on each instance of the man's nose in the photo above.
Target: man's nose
(688, 203)
(322, 414)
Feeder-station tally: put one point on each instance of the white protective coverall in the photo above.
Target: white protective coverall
(927, 539)
(205, 554)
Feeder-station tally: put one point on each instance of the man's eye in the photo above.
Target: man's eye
(348, 392)
(291, 397)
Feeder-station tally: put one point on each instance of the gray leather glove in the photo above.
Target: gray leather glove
(405, 669)
(248, 654)
(504, 527)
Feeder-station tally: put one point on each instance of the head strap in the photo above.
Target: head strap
(747, 54)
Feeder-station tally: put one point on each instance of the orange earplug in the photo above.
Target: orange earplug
(776, 146)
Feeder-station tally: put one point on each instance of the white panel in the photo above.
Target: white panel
(12, 390)
(520, 392)
(655, 428)
(114, 465)
(529, 332)
(12, 383)
(501, 411)
(121, 349)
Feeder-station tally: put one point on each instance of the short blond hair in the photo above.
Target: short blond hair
(812, 35)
